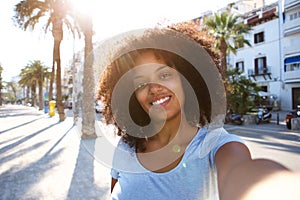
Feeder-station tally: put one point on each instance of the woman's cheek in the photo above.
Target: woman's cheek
(142, 99)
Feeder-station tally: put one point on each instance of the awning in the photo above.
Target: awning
(291, 60)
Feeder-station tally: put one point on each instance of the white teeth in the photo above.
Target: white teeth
(160, 101)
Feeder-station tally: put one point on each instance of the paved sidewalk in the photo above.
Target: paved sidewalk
(41, 158)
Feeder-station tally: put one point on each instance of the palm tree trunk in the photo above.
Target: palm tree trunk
(33, 93)
(52, 79)
(27, 92)
(40, 83)
(223, 50)
(60, 106)
(75, 106)
(88, 111)
(57, 33)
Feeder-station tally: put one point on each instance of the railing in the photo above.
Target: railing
(263, 71)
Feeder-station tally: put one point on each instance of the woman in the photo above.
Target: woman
(172, 146)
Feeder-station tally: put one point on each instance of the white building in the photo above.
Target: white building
(273, 61)
(261, 61)
(290, 30)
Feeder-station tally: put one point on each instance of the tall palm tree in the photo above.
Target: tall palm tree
(34, 73)
(12, 86)
(27, 81)
(28, 14)
(39, 71)
(229, 33)
(88, 98)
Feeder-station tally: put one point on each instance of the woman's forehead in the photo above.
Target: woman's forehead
(148, 56)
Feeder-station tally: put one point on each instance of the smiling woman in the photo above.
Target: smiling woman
(163, 94)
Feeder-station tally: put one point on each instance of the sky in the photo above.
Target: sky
(111, 17)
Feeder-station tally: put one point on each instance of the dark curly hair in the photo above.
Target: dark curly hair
(199, 114)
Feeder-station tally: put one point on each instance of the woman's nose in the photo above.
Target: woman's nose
(154, 87)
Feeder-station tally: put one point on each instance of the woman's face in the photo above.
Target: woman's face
(158, 87)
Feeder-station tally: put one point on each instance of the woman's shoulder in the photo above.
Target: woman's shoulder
(209, 140)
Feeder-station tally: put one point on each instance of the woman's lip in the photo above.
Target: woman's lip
(161, 101)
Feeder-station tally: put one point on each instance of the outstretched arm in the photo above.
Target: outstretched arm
(240, 177)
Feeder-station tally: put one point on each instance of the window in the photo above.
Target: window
(292, 63)
(294, 16)
(240, 66)
(293, 67)
(260, 66)
(259, 37)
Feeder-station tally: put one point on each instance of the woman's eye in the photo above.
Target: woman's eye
(140, 85)
(165, 75)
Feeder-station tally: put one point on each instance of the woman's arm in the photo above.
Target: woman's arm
(113, 183)
(241, 177)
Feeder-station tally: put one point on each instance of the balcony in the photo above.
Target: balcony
(265, 72)
(290, 76)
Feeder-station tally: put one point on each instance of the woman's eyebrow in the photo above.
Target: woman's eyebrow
(137, 77)
(140, 75)
(161, 67)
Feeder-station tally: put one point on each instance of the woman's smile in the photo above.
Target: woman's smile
(161, 101)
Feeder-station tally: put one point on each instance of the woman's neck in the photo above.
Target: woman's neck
(179, 132)
(165, 150)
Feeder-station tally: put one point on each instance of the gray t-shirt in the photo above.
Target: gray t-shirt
(195, 177)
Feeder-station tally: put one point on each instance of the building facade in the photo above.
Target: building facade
(273, 60)
(290, 20)
(261, 61)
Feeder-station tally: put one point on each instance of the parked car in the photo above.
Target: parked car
(67, 104)
(99, 107)
(292, 114)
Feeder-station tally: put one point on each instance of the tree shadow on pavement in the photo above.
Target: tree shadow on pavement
(83, 184)
(18, 181)
(24, 139)
(20, 125)
(21, 152)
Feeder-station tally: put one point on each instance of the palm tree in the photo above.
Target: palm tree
(28, 14)
(28, 82)
(229, 33)
(34, 73)
(39, 71)
(88, 111)
(12, 86)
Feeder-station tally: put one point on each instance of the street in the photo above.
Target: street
(41, 158)
(271, 141)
